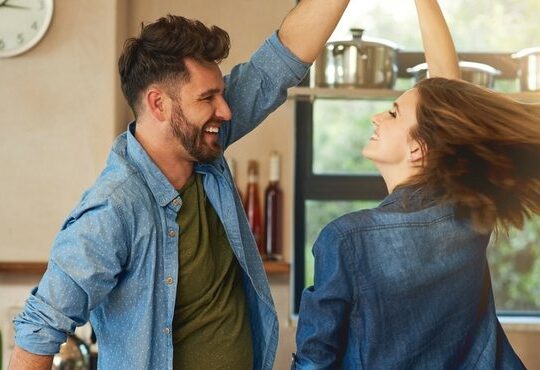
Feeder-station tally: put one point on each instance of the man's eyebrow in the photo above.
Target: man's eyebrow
(396, 105)
(210, 92)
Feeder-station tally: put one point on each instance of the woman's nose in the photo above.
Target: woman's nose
(376, 119)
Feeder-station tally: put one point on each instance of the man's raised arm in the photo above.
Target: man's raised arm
(308, 26)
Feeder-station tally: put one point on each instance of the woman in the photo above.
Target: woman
(406, 285)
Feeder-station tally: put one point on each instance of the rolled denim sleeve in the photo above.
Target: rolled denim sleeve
(325, 307)
(255, 89)
(86, 260)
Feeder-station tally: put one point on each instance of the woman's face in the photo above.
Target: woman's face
(390, 143)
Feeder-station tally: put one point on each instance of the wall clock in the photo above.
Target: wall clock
(23, 23)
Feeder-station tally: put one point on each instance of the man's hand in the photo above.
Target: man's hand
(308, 26)
(23, 360)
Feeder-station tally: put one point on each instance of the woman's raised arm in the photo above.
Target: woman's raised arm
(439, 48)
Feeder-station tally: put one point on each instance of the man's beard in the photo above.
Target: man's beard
(191, 137)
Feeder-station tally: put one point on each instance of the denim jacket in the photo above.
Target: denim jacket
(115, 260)
(405, 285)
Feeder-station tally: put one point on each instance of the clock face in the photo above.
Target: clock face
(22, 24)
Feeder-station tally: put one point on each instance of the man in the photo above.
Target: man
(158, 254)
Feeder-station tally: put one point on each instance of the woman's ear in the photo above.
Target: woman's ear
(416, 153)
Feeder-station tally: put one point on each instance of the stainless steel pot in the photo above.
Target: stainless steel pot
(477, 73)
(529, 68)
(363, 63)
(74, 355)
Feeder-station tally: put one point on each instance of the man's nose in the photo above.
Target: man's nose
(223, 111)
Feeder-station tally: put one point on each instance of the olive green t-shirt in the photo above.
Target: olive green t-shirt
(211, 327)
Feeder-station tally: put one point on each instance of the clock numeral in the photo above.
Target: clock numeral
(2, 44)
(20, 38)
(34, 25)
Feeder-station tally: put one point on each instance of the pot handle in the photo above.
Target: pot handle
(357, 33)
(338, 50)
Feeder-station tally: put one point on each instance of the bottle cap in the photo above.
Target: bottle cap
(274, 167)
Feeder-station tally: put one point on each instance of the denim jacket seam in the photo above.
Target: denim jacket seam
(401, 224)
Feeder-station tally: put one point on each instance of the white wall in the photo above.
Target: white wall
(57, 121)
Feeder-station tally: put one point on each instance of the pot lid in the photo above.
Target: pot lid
(359, 40)
(463, 66)
(526, 52)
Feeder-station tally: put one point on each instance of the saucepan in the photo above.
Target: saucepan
(360, 62)
(477, 73)
(529, 68)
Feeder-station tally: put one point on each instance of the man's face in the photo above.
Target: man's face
(199, 110)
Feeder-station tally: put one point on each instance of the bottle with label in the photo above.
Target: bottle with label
(273, 209)
(252, 205)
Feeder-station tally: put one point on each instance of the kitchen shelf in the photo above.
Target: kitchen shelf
(38, 268)
(23, 268)
(311, 93)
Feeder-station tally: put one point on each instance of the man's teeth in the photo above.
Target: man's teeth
(212, 130)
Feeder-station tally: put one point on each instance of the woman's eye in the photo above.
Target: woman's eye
(392, 113)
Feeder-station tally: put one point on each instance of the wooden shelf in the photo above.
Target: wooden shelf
(311, 93)
(23, 268)
(277, 267)
(342, 93)
(38, 268)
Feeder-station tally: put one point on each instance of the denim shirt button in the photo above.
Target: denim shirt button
(169, 280)
(166, 330)
(172, 233)
(177, 202)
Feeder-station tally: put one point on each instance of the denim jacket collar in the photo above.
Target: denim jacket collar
(411, 196)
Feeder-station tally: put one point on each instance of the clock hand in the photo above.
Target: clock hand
(14, 6)
(4, 3)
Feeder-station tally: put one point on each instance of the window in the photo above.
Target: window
(332, 178)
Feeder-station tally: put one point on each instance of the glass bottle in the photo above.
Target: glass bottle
(252, 205)
(273, 211)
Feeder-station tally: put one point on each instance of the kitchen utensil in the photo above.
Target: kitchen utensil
(74, 355)
(360, 62)
(529, 68)
(477, 73)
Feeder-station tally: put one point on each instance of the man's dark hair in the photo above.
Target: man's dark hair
(157, 55)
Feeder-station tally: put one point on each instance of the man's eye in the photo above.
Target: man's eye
(392, 113)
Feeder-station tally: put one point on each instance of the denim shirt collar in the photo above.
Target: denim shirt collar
(159, 185)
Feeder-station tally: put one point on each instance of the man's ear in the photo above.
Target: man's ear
(157, 102)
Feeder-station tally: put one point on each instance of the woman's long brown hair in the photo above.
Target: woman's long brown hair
(481, 152)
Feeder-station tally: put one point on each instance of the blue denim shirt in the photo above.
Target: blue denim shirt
(114, 258)
(403, 286)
